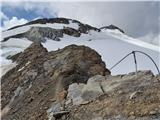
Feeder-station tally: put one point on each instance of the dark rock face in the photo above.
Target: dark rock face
(39, 34)
(112, 27)
(71, 32)
(30, 88)
(44, 21)
(58, 20)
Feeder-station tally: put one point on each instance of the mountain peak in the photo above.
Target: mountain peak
(112, 27)
(56, 20)
(51, 28)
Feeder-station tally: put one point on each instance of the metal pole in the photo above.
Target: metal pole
(151, 60)
(120, 61)
(135, 61)
(133, 52)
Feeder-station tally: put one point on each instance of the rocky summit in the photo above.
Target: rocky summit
(73, 84)
(40, 78)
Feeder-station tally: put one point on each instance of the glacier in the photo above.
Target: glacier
(112, 45)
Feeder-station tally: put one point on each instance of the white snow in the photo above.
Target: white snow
(11, 47)
(123, 37)
(16, 42)
(14, 31)
(112, 49)
(27, 27)
(151, 38)
(6, 67)
(111, 45)
(24, 66)
(21, 69)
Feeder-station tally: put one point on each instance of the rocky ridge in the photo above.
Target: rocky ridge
(73, 83)
(40, 34)
(82, 27)
(76, 78)
(30, 88)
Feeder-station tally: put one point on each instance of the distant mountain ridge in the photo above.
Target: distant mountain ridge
(56, 33)
(112, 27)
(64, 21)
(56, 20)
(61, 69)
(38, 34)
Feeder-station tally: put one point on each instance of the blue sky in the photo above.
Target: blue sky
(20, 12)
(137, 19)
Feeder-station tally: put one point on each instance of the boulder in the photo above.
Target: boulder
(93, 88)
(71, 32)
(74, 94)
(125, 97)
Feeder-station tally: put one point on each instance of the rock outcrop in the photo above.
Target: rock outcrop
(32, 87)
(39, 34)
(122, 97)
(73, 84)
(112, 27)
(82, 27)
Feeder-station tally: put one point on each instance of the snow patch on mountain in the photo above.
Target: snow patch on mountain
(123, 37)
(111, 44)
(9, 48)
(111, 49)
(27, 27)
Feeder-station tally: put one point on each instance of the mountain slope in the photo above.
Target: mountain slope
(77, 77)
(112, 45)
(28, 88)
(46, 77)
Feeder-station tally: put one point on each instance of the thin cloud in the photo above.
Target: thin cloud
(14, 21)
(3, 16)
(137, 19)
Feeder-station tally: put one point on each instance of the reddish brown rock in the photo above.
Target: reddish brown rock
(39, 76)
